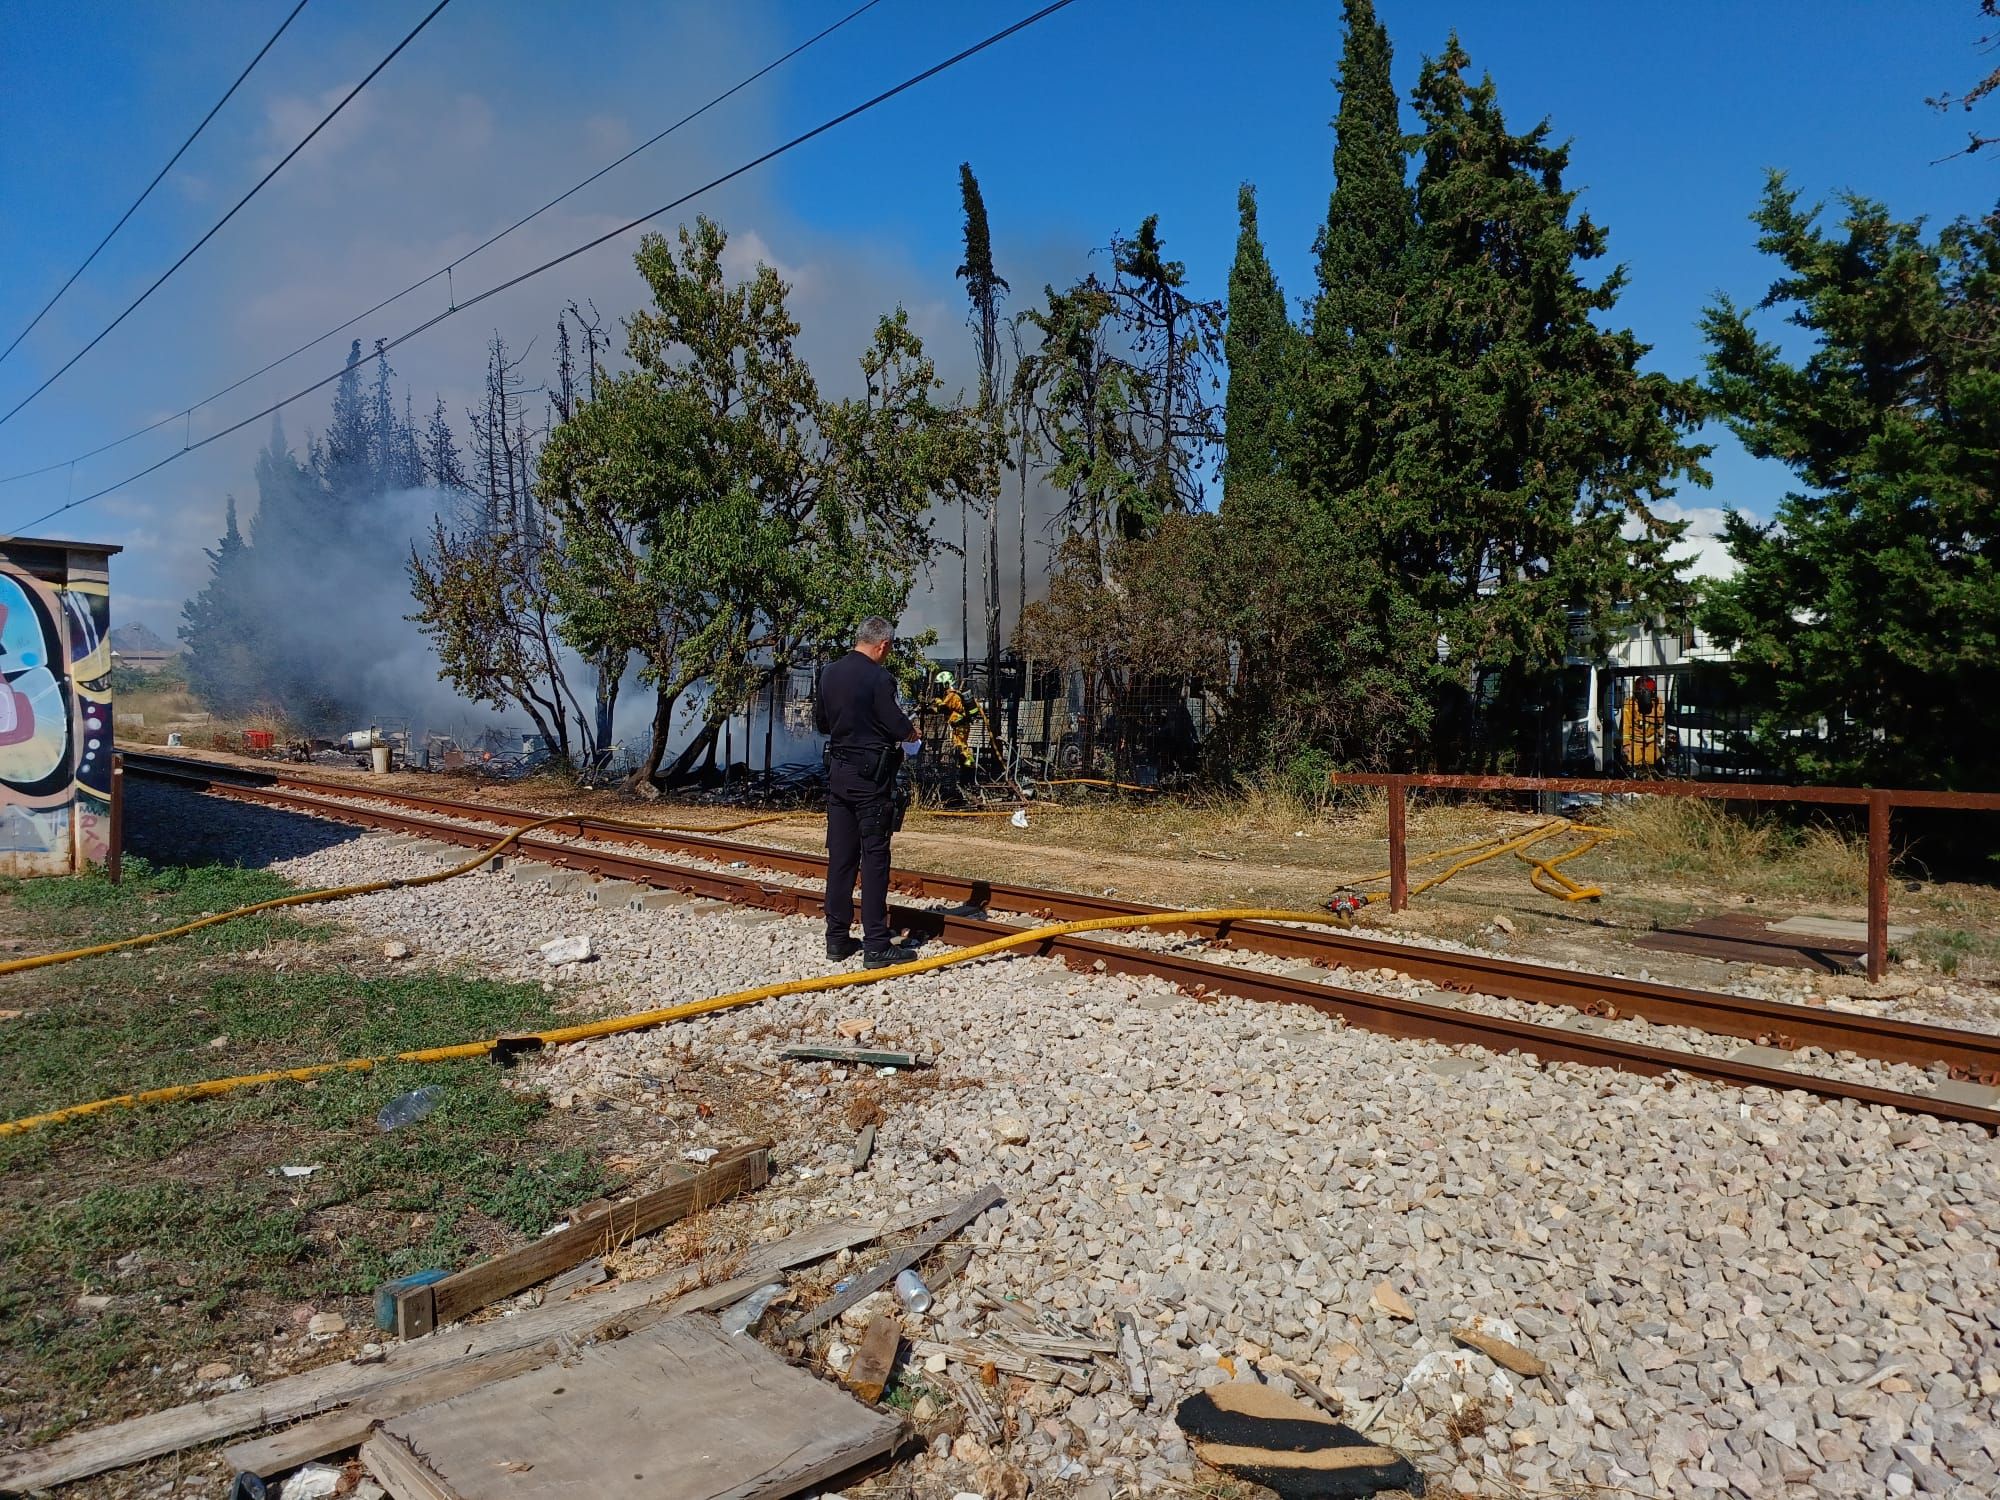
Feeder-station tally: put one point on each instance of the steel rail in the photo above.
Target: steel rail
(1972, 1056)
(1385, 1014)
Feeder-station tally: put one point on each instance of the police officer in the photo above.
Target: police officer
(868, 736)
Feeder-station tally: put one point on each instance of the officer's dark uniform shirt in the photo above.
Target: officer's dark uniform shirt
(857, 707)
(866, 728)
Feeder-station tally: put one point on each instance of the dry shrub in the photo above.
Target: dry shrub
(1714, 841)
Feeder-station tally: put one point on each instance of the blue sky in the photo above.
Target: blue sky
(1106, 112)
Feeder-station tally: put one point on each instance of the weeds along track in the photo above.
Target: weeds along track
(967, 919)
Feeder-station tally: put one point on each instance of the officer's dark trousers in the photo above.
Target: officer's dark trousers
(857, 837)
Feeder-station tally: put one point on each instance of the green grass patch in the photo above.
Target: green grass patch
(179, 1212)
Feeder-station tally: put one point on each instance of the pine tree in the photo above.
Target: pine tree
(443, 468)
(219, 627)
(1262, 351)
(345, 461)
(1868, 612)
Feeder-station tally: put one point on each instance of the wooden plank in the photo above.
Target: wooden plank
(449, 1300)
(401, 1472)
(875, 1358)
(873, 1281)
(208, 1421)
(864, 1057)
(678, 1411)
(314, 1391)
(348, 1426)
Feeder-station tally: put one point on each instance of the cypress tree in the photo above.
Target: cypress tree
(1370, 223)
(219, 626)
(1260, 350)
(1867, 615)
(1529, 447)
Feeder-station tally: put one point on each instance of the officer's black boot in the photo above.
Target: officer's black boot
(882, 958)
(841, 947)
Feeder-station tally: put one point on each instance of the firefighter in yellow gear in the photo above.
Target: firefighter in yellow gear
(1642, 727)
(958, 712)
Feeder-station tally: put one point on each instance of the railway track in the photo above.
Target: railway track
(1971, 1057)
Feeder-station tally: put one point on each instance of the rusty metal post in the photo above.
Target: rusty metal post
(114, 859)
(1399, 852)
(1878, 884)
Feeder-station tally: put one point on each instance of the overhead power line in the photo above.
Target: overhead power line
(157, 180)
(588, 245)
(445, 270)
(215, 228)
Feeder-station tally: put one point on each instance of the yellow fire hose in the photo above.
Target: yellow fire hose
(1540, 870)
(614, 1025)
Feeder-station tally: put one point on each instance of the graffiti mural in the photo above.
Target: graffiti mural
(55, 723)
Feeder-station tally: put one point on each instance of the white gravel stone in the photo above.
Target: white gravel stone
(1720, 1279)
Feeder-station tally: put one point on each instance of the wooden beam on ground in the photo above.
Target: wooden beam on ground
(399, 1471)
(873, 1281)
(313, 1392)
(864, 1057)
(423, 1308)
(679, 1411)
(349, 1426)
(875, 1359)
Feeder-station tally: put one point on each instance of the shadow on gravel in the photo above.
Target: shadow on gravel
(171, 826)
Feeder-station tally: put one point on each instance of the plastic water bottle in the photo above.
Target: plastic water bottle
(407, 1107)
(741, 1317)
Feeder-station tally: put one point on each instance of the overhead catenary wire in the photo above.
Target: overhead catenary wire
(215, 228)
(446, 269)
(158, 178)
(513, 281)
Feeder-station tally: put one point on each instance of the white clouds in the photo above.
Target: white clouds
(1701, 546)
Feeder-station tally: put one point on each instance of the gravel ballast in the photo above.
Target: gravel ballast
(1739, 1292)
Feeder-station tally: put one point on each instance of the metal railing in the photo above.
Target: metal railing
(1880, 802)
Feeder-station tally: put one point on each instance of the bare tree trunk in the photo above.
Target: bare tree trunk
(703, 744)
(656, 747)
(964, 585)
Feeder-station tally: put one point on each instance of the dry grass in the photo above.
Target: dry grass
(1684, 839)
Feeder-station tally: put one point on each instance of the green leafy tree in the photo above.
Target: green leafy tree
(719, 517)
(1868, 610)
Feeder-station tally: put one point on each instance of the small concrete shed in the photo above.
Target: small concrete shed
(55, 705)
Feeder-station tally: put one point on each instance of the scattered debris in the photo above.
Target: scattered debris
(567, 950)
(92, 1302)
(394, 950)
(864, 1147)
(1385, 1298)
(326, 1325)
(1134, 1357)
(1500, 921)
(420, 1309)
(854, 1028)
(313, 1482)
(873, 1281)
(875, 1361)
(856, 1055)
(1329, 1404)
(298, 1171)
(740, 1317)
(912, 1293)
(406, 1109)
(1253, 1432)
(701, 1153)
(218, 1370)
(1497, 1342)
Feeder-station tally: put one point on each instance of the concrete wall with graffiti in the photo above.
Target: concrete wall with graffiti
(55, 709)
